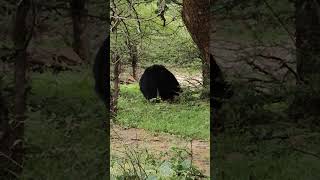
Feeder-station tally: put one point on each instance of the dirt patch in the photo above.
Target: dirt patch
(190, 81)
(155, 143)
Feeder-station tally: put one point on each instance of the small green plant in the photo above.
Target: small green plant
(175, 164)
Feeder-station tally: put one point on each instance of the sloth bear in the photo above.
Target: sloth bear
(101, 70)
(159, 81)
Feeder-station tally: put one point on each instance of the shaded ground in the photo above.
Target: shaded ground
(156, 143)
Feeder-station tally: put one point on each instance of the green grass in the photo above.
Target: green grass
(64, 134)
(188, 119)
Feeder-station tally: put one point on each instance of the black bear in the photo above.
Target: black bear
(157, 80)
(101, 70)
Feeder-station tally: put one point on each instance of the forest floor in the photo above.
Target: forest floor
(155, 143)
(141, 139)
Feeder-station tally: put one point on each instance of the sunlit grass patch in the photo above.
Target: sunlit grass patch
(189, 119)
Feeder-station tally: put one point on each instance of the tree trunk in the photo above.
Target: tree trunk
(307, 99)
(199, 22)
(196, 16)
(80, 36)
(5, 137)
(116, 83)
(308, 39)
(13, 138)
(134, 60)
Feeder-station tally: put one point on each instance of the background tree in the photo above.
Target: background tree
(307, 40)
(80, 34)
(12, 139)
(40, 47)
(196, 14)
(308, 59)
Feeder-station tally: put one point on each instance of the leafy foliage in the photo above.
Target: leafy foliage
(174, 164)
(171, 44)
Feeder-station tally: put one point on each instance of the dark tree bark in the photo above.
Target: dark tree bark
(308, 39)
(5, 142)
(134, 60)
(20, 40)
(306, 104)
(80, 22)
(12, 141)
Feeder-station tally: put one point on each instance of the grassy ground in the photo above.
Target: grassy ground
(188, 119)
(64, 134)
